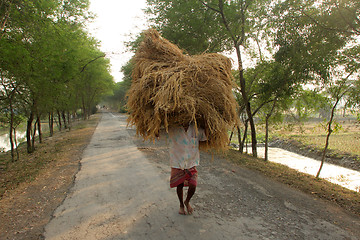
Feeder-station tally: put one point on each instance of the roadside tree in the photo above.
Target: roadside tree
(199, 26)
(42, 54)
(319, 41)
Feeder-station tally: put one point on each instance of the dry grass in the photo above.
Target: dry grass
(342, 142)
(345, 140)
(62, 145)
(170, 88)
(33, 187)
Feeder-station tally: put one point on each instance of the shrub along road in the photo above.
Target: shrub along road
(122, 192)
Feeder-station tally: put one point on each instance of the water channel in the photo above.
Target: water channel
(5, 143)
(336, 174)
(345, 177)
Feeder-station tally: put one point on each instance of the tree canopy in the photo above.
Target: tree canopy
(48, 61)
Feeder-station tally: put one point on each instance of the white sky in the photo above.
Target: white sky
(117, 21)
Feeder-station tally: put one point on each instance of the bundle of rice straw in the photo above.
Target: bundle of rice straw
(170, 88)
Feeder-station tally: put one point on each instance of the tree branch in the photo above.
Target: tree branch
(325, 26)
(208, 6)
(346, 21)
(91, 62)
(7, 14)
(224, 20)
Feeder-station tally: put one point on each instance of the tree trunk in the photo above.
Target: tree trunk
(247, 103)
(39, 128)
(231, 134)
(16, 144)
(68, 119)
(51, 123)
(329, 130)
(59, 119)
(267, 131)
(83, 108)
(64, 119)
(11, 138)
(30, 147)
(266, 139)
(34, 133)
(84, 112)
(239, 138)
(242, 144)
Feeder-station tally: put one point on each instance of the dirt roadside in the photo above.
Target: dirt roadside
(26, 208)
(229, 191)
(231, 203)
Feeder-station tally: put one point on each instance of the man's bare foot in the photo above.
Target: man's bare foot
(190, 210)
(182, 211)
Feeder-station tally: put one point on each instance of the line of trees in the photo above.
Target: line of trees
(292, 44)
(49, 65)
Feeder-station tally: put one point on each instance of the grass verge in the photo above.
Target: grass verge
(29, 166)
(306, 183)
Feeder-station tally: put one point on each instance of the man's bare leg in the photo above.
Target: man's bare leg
(179, 191)
(190, 193)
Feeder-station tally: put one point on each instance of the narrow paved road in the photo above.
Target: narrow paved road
(122, 192)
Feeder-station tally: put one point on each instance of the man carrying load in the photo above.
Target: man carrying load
(184, 157)
(171, 89)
